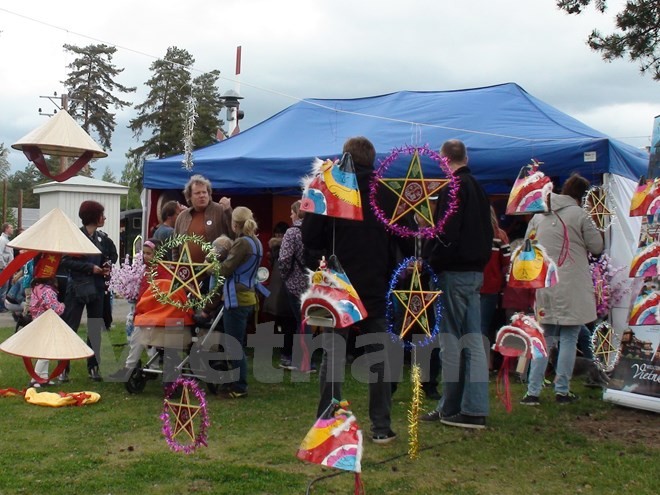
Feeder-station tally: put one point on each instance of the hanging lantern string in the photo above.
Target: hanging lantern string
(189, 132)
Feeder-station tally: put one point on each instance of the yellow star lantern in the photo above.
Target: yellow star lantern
(605, 345)
(184, 413)
(414, 192)
(596, 204)
(184, 274)
(416, 303)
(190, 421)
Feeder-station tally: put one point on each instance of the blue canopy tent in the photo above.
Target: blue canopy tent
(503, 127)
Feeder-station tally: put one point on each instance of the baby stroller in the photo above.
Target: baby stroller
(195, 342)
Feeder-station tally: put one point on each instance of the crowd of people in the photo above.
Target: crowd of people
(470, 257)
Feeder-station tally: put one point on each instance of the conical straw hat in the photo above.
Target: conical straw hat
(47, 337)
(61, 136)
(54, 233)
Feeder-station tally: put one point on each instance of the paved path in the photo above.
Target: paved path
(119, 312)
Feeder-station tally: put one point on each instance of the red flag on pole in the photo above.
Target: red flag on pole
(238, 60)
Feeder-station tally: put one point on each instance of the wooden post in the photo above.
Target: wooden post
(4, 201)
(65, 106)
(19, 211)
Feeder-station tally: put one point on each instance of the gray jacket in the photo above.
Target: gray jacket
(572, 301)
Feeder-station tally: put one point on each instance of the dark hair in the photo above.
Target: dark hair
(5, 226)
(90, 212)
(280, 228)
(168, 210)
(52, 281)
(362, 151)
(575, 187)
(454, 150)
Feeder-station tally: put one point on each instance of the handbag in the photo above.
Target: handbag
(84, 290)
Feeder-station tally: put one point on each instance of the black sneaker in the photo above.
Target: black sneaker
(465, 421)
(530, 400)
(383, 438)
(430, 416)
(568, 398)
(432, 393)
(94, 374)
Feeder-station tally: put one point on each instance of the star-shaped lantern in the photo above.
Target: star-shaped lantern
(414, 192)
(595, 203)
(186, 273)
(606, 346)
(416, 303)
(186, 416)
(184, 413)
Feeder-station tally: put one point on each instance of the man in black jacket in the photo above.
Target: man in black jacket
(367, 254)
(458, 255)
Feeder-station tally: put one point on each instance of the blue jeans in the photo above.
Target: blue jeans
(567, 337)
(584, 343)
(464, 363)
(235, 324)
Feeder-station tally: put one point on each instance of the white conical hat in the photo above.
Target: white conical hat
(54, 233)
(61, 136)
(47, 337)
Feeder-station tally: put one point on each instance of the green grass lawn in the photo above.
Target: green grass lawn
(115, 446)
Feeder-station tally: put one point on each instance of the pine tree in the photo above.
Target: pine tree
(108, 176)
(209, 105)
(637, 35)
(92, 87)
(164, 110)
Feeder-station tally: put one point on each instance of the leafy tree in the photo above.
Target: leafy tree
(91, 86)
(637, 35)
(25, 180)
(132, 178)
(108, 176)
(164, 110)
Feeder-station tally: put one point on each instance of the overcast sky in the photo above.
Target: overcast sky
(295, 49)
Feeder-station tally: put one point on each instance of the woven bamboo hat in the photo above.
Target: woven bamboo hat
(61, 136)
(47, 337)
(54, 233)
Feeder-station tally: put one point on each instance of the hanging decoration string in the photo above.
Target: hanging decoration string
(415, 407)
(189, 132)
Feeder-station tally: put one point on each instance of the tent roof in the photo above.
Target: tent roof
(503, 127)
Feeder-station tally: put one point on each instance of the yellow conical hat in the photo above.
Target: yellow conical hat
(54, 233)
(47, 337)
(61, 136)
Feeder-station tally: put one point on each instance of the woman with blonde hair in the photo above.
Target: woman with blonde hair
(240, 298)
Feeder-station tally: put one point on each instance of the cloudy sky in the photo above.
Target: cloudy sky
(295, 49)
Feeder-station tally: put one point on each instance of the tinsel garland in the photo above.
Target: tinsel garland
(402, 230)
(201, 437)
(413, 412)
(189, 133)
